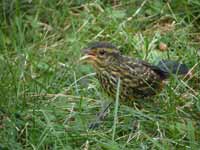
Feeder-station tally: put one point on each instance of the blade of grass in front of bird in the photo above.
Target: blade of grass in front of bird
(116, 109)
(76, 86)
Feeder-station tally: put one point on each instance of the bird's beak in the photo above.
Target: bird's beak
(88, 55)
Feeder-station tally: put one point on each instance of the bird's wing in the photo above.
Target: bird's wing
(139, 78)
(140, 67)
(162, 73)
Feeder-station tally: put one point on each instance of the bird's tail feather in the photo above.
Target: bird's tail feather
(172, 67)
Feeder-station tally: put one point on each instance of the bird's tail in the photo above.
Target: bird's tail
(172, 67)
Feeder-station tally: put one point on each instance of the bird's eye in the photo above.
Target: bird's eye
(102, 52)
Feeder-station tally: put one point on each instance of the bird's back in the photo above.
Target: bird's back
(138, 79)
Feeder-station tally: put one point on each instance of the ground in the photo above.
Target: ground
(48, 98)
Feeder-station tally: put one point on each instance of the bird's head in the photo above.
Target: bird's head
(101, 54)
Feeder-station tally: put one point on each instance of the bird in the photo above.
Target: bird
(139, 79)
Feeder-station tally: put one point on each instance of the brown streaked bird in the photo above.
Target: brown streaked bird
(139, 79)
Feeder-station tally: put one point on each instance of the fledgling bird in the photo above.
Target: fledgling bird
(139, 79)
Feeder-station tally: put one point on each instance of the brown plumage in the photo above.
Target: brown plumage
(139, 79)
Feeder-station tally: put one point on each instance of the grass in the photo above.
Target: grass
(48, 99)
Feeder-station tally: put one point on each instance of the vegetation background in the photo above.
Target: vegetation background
(48, 99)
